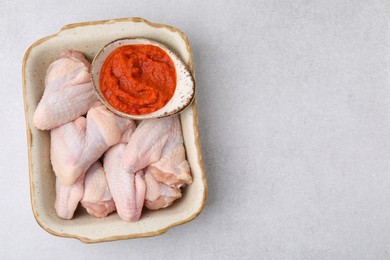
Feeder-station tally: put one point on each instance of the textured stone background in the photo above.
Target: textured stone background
(294, 116)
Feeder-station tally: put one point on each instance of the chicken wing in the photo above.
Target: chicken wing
(68, 91)
(127, 188)
(159, 195)
(158, 143)
(97, 199)
(75, 146)
(68, 197)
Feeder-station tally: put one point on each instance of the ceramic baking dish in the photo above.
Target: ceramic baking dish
(88, 38)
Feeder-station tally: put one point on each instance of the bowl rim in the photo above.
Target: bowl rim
(30, 137)
(169, 51)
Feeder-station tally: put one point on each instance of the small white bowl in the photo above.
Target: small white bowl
(185, 84)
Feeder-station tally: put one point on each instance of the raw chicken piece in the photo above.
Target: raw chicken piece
(127, 188)
(159, 195)
(68, 91)
(97, 199)
(75, 146)
(77, 55)
(159, 143)
(68, 197)
(172, 168)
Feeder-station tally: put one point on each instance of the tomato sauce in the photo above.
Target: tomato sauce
(138, 79)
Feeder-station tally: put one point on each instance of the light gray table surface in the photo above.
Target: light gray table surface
(294, 116)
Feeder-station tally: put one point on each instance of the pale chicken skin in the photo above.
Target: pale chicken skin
(159, 195)
(127, 188)
(158, 143)
(68, 197)
(97, 199)
(155, 148)
(68, 91)
(173, 168)
(75, 146)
